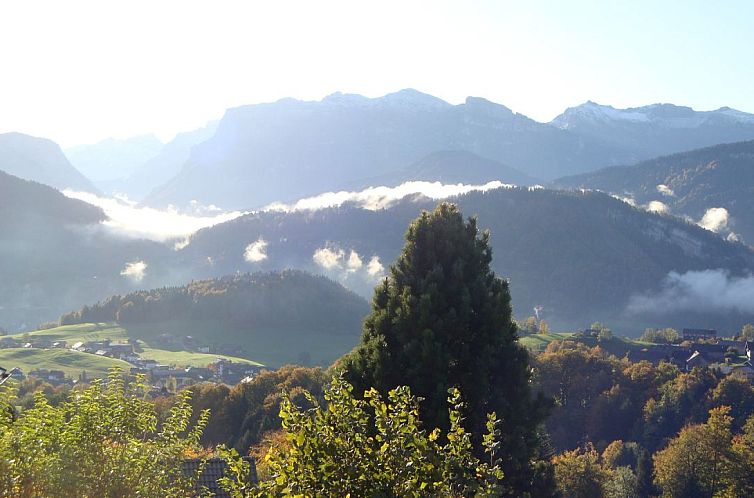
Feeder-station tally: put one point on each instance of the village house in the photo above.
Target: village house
(54, 377)
(698, 334)
(697, 359)
(9, 342)
(212, 470)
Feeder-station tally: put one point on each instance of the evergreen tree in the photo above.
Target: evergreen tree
(442, 319)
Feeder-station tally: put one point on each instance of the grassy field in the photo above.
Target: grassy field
(260, 346)
(273, 347)
(73, 362)
(618, 346)
(82, 332)
(538, 342)
(70, 362)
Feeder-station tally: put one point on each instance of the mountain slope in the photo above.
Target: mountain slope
(273, 317)
(167, 164)
(690, 183)
(27, 199)
(55, 256)
(581, 256)
(291, 149)
(657, 129)
(451, 167)
(111, 160)
(40, 160)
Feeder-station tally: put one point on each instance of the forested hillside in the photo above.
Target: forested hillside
(54, 254)
(581, 256)
(273, 317)
(690, 184)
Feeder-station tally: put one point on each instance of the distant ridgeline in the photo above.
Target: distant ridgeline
(286, 299)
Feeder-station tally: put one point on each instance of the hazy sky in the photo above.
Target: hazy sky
(79, 72)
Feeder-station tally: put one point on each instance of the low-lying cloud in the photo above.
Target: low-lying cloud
(354, 262)
(335, 259)
(657, 207)
(628, 199)
(665, 190)
(135, 270)
(374, 198)
(698, 291)
(328, 259)
(256, 251)
(715, 219)
(126, 218)
(375, 268)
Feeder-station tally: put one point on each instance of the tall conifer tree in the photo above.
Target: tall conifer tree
(442, 319)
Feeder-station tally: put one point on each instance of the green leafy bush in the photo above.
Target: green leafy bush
(372, 447)
(103, 441)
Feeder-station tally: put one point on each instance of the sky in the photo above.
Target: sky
(82, 71)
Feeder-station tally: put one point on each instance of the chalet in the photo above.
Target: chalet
(52, 376)
(713, 352)
(656, 354)
(78, 346)
(59, 344)
(697, 359)
(232, 373)
(121, 350)
(652, 355)
(132, 359)
(744, 371)
(198, 373)
(97, 345)
(9, 342)
(698, 334)
(212, 470)
(17, 373)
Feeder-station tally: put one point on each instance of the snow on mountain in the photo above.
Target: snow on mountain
(666, 115)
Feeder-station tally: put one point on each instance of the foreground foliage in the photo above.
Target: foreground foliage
(707, 460)
(102, 442)
(373, 447)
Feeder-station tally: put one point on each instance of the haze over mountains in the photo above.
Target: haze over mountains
(136, 165)
(291, 149)
(580, 256)
(55, 256)
(111, 160)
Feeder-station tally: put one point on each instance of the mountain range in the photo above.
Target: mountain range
(657, 129)
(291, 149)
(579, 255)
